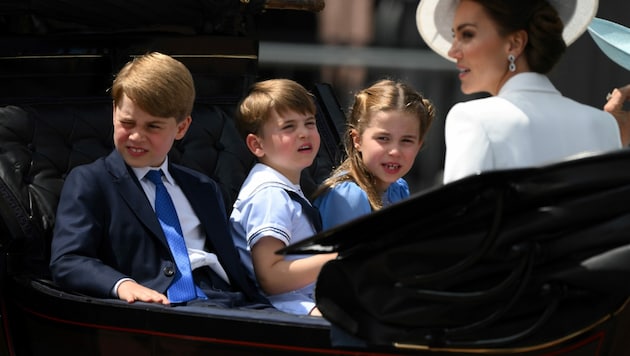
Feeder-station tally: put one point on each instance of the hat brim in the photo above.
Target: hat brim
(434, 19)
(613, 39)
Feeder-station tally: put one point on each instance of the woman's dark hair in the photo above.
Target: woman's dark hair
(545, 45)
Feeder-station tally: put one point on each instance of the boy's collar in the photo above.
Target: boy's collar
(140, 172)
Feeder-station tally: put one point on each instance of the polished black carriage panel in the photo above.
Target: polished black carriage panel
(43, 320)
(516, 260)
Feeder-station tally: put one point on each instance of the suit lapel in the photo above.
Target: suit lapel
(212, 215)
(131, 192)
(199, 194)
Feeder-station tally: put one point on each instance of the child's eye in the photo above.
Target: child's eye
(153, 127)
(310, 123)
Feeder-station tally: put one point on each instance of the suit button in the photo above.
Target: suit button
(169, 271)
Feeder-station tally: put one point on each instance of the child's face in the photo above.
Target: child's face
(389, 146)
(288, 143)
(142, 139)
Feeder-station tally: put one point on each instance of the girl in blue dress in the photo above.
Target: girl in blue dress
(386, 127)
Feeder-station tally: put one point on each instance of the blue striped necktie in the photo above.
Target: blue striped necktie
(183, 288)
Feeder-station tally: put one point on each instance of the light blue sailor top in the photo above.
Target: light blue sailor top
(264, 208)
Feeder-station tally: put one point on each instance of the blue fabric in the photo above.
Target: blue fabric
(183, 288)
(347, 201)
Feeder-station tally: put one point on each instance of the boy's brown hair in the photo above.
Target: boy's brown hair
(267, 97)
(159, 84)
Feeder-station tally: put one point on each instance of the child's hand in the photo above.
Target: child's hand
(132, 291)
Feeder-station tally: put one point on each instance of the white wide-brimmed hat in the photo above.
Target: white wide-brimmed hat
(613, 39)
(434, 19)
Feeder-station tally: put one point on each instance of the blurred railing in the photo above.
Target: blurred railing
(305, 5)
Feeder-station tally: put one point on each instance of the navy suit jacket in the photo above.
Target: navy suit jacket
(106, 230)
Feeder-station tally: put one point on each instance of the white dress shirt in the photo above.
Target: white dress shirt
(194, 235)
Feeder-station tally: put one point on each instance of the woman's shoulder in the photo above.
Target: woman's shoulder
(476, 105)
(480, 111)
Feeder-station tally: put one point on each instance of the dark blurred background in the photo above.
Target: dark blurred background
(352, 43)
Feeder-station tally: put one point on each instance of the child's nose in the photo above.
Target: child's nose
(394, 150)
(135, 135)
(304, 131)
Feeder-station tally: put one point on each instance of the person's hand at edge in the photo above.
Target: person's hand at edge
(616, 99)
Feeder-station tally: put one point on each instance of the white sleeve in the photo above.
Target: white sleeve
(468, 148)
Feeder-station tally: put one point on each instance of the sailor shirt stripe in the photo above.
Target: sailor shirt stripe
(271, 231)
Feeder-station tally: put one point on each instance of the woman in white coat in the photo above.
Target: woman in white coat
(505, 48)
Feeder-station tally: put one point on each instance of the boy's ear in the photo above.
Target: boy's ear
(253, 143)
(182, 128)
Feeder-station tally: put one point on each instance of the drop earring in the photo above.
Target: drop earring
(512, 65)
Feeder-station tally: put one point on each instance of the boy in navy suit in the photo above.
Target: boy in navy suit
(108, 241)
